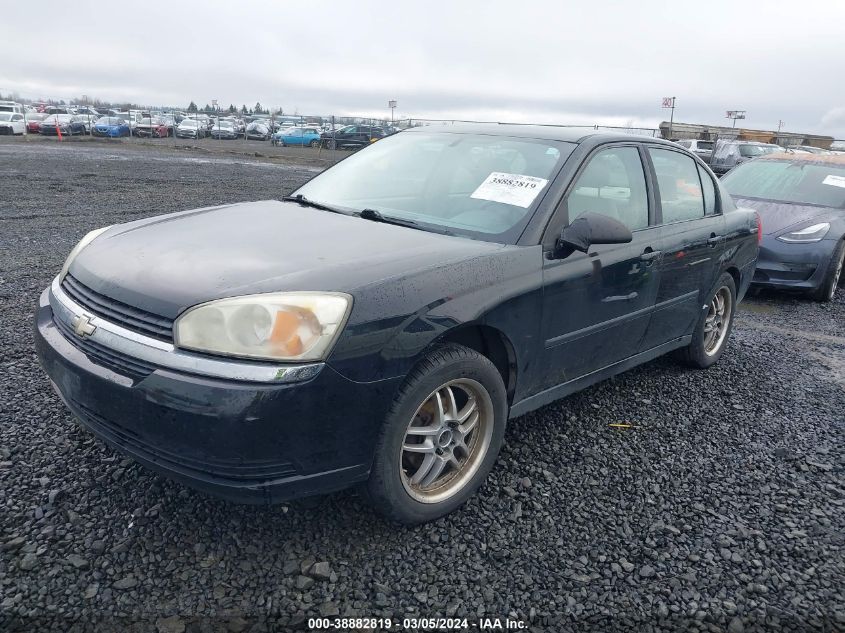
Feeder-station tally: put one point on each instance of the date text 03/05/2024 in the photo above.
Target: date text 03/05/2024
(417, 624)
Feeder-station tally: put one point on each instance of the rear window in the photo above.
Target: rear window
(787, 181)
(705, 145)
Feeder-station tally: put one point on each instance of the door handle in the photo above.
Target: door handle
(650, 256)
(714, 239)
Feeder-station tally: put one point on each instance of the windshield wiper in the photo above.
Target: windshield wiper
(378, 216)
(300, 199)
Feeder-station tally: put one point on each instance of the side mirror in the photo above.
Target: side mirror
(589, 229)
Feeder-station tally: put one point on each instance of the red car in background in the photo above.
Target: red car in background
(33, 121)
(152, 127)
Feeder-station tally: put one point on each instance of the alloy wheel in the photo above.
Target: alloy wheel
(446, 441)
(717, 321)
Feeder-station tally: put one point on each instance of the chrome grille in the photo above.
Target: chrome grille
(117, 312)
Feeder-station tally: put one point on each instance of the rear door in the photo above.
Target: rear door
(596, 306)
(692, 240)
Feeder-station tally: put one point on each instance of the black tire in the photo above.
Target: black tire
(696, 354)
(385, 489)
(314, 143)
(833, 275)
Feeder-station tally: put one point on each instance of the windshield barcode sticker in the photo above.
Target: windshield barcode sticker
(836, 181)
(514, 189)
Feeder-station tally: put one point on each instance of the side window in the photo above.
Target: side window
(709, 190)
(612, 184)
(680, 187)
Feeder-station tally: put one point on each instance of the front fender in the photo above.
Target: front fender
(502, 290)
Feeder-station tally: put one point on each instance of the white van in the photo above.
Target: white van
(11, 106)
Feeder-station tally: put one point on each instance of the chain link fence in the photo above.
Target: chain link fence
(329, 138)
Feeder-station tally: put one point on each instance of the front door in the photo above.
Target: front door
(692, 241)
(597, 306)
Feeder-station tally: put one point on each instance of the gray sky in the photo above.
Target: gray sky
(557, 61)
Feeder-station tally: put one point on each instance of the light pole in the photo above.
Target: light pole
(392, 105)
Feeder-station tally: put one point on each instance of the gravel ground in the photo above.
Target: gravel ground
(203, 146)
(720, 509)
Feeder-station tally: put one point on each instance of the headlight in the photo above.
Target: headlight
(85, 241)
(278, 326)
(812, 233)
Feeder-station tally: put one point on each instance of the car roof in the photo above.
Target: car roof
(819, 159)
(545, 132)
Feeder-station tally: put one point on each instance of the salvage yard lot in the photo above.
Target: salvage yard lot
(722, 506)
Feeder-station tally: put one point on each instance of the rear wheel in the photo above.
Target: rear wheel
(833, 276)
(441, 437)
(714, 326)
(315, 143)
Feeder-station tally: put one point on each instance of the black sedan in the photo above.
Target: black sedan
(67, 124)
(352, 137)
(380, 326)
(801, 201)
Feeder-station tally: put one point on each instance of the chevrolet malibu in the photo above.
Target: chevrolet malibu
(380, 326)
(801, 200)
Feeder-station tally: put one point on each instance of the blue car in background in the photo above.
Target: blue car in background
(297, 136)
(111, 126)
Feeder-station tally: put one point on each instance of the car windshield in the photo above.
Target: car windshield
(189, 123)
(708, 145)
(5, 116)
(477, 185)
(799, 182)
(109, 120)
(225, 124)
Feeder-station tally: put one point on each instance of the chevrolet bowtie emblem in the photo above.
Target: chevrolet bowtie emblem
(82, 326)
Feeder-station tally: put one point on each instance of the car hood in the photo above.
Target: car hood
(777, 216)
(172, 262)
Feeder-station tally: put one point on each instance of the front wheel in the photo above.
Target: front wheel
(441, 437)
(827, 290)
(714, 326)
(314, 143)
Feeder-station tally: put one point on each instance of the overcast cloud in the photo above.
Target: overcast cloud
(584, 62)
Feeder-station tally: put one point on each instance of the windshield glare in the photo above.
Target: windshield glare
(5, 116)
(787, 181)
(471, 184)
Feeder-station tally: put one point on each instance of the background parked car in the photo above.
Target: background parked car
(701, 148)
(191, 128)
(12, 123)
(68, 124)
(224, 130)
(801, 201)
(729, 154)
(152, 127)
(297, 136)
(110, 126)
(33, 121)
(258, 130)
(352, 137)
(807, 149)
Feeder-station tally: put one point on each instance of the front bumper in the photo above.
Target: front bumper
(250, 442)
(784, 266)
